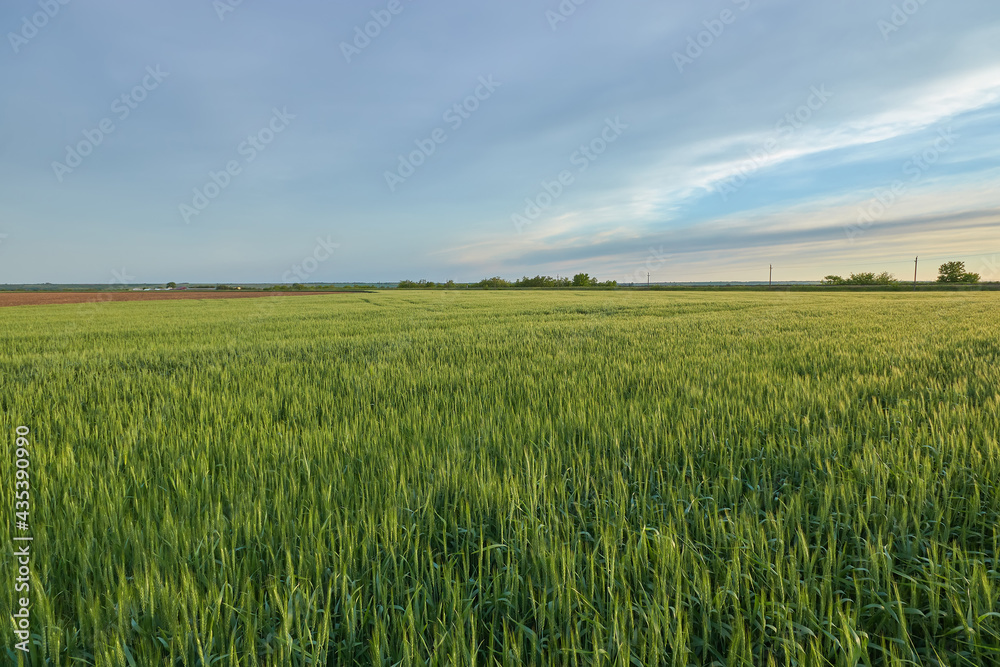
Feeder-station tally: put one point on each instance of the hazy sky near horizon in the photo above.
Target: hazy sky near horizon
(388, 139)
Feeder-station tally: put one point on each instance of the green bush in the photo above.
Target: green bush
(954, 272)
(495, 282)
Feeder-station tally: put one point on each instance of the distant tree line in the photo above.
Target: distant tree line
(949, 272)
(425, 284)
(299, 287)
(579, 280)
(883, 278)
(294, 287)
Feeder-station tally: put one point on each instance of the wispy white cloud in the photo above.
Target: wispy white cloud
(945, 216)
(655, 200)
(699, 169)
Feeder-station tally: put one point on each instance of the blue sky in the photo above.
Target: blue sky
(270, 142)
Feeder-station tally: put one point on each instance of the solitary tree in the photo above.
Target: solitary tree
(171, 285)
(954, 272)
(583, 280)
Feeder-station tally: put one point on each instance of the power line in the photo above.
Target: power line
(891, 262)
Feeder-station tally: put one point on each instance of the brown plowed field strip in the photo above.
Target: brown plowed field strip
(46, 298)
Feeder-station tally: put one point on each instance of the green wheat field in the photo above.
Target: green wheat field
(509, 478)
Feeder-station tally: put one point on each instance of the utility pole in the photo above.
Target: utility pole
(915, 272)
(647, 279)
(770, 274)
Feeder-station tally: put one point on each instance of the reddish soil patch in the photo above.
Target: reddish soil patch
(45, 298)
